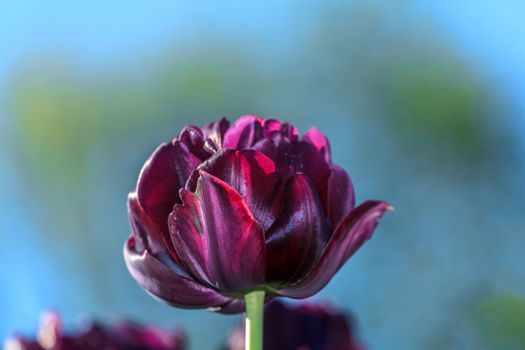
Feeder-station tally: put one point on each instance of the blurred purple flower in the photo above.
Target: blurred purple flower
(223, 210)
(307, 326)
(125, 335)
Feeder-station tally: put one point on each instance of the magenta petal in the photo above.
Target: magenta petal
(193, 138)
(214, 133)
(271, 126)
(319, 141)
(353, 231)
(274, 127)
(244, 133)
(290, 132)
(341, 198)
(295, 241)
(165, 172)
(252, 174)
(146, 233)
(169, 283)
(314, 164)
(235, 306)
(215, 229)
(186, 234)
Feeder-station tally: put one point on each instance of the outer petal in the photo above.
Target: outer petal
(295, 241)
(145, 231)
(319, 141)
(353, 231)
(244, 133)
(252, 174)
(341, 198)
(186, 229)
(165, 172)
(169, 283)
(313, 163)
(235, 306)
(217, 237)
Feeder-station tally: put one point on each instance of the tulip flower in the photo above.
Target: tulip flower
(307, 326)
(224, 215)
(125, 335)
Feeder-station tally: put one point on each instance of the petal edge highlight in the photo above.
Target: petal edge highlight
(229, 242)
(353, 231)
(169, 284)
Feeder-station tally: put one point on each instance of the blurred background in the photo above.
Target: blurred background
(423, 103)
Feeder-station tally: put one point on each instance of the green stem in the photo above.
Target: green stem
(254, 320)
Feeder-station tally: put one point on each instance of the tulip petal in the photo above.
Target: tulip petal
(193, 138)
(353, 231)
(296, 239)
(217, 237)
(274, 127)
(146, 234)
(214, 132)
(273, 148)
(314, 152)
(252, 174)
(235, 306)
(170, 284)
(315, 137)
(341, 198)
(165, 172)
(244, 133)
(186, 234)
(271, 126)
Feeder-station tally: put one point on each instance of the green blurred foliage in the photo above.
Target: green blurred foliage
(501, 321)
(64, 115)
(61, 112)
(392, 66)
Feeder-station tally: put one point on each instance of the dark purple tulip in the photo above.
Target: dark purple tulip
(125, 335)
(223, 210)
(307, 326)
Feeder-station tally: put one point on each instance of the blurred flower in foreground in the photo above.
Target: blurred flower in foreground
(121, 336)
(225, 210)
(307, 326)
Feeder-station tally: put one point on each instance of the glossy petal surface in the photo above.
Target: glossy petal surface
(252, 174)
(169, 283)
(313, 163)
(296, 240)
(165, 172)
(146, 233)
(192, 139)
(244, 133)
(353, 231)
(316, 138)
(341, 199)
(214, 133)
(217, 237)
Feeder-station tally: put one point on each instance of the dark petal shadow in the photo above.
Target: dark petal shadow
(354, 230)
